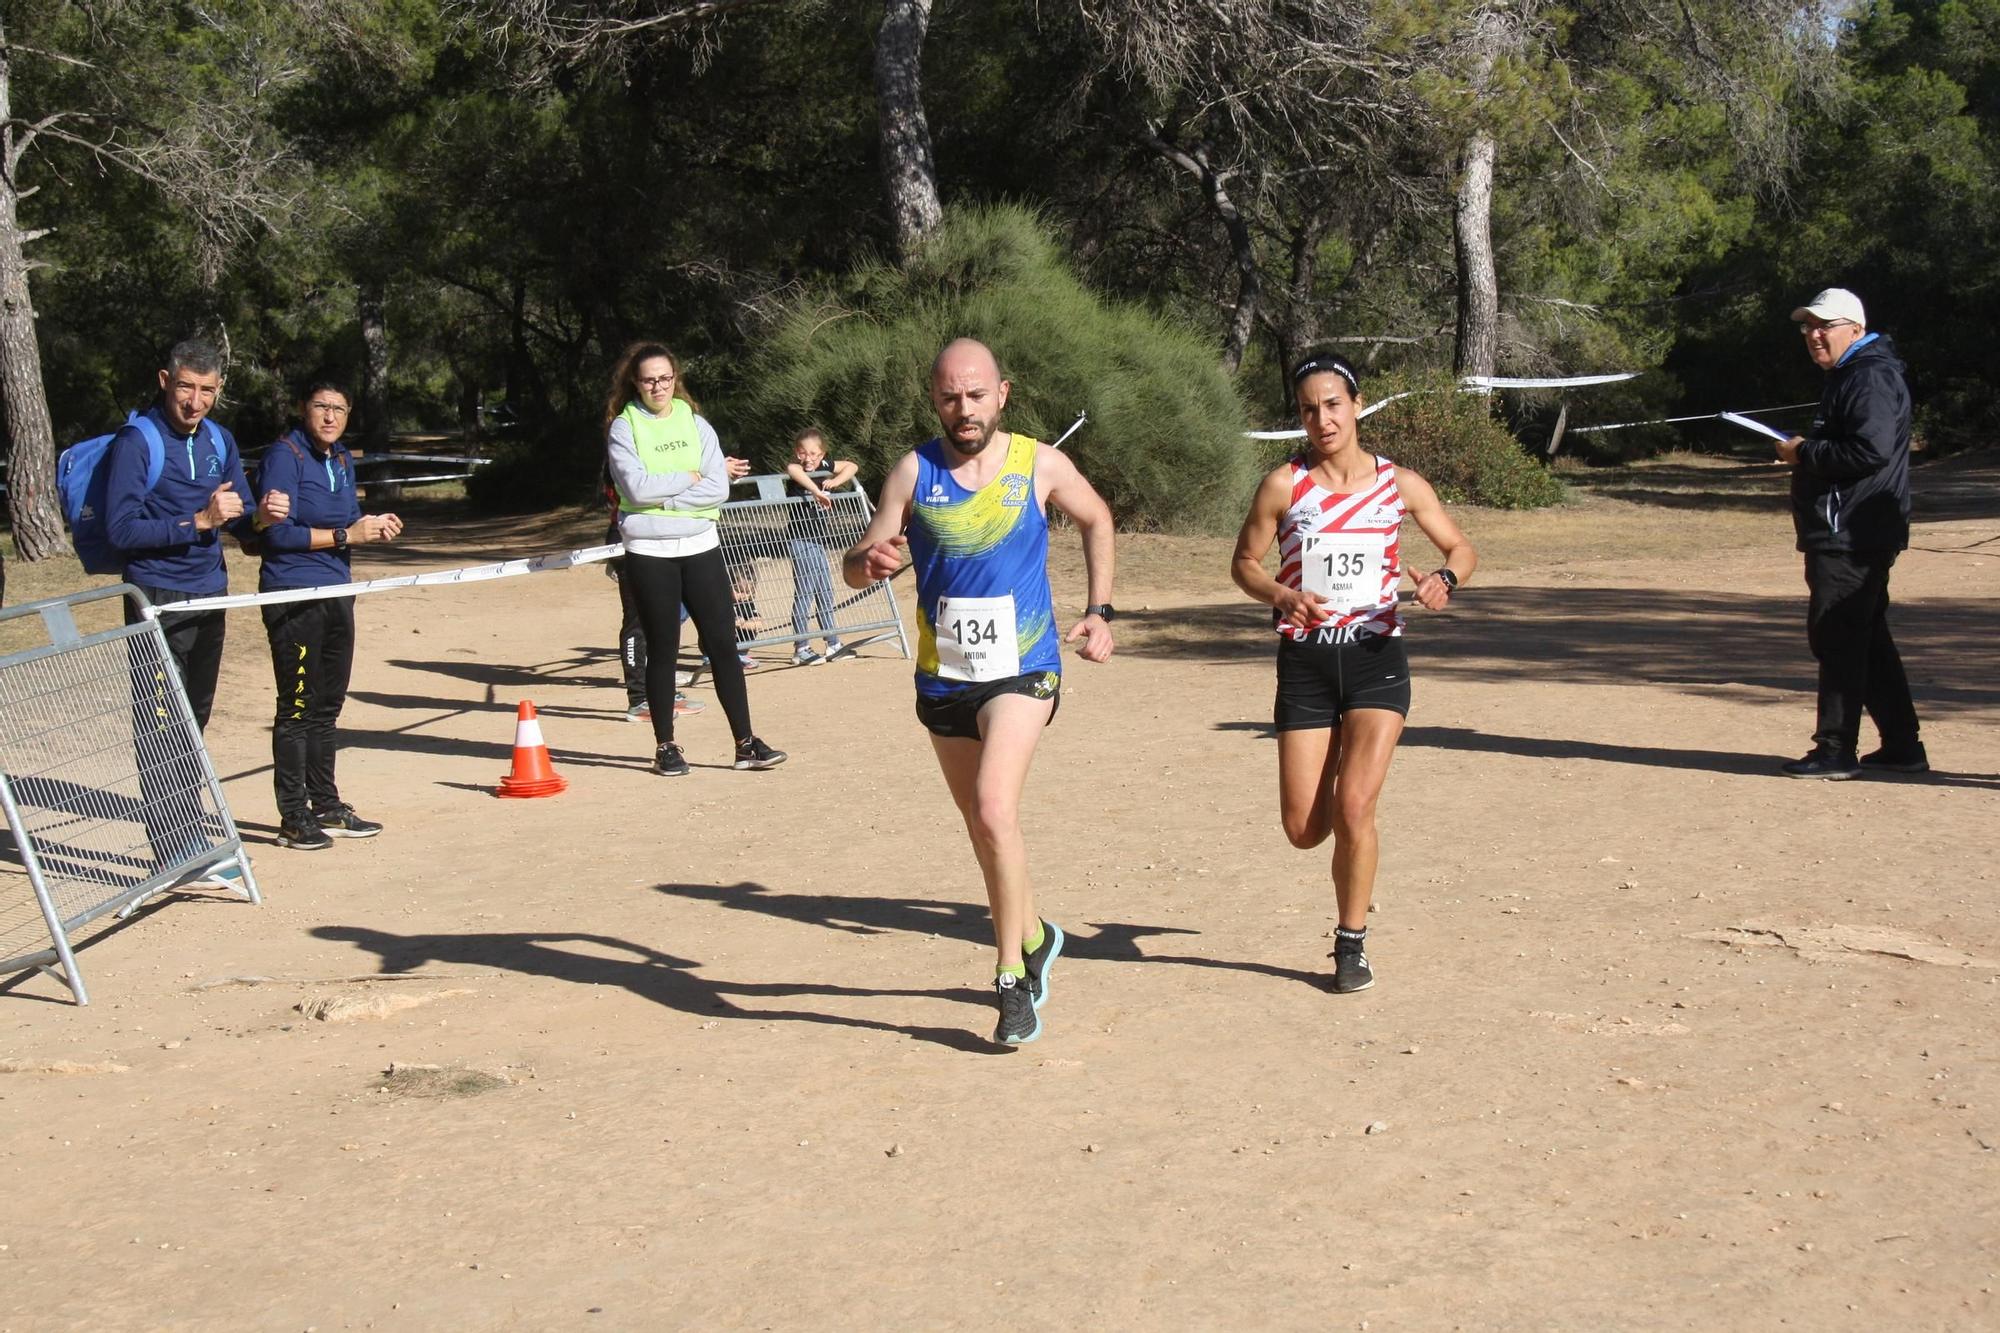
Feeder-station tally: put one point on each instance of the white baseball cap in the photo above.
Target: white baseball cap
(1833, 305)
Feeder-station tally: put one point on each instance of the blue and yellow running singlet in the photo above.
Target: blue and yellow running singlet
(982, 560)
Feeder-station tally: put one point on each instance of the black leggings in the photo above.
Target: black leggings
(661, 585)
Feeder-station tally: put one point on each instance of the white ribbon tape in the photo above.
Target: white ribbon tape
(1571, 381)
(1733, 418)
(505, 569)
(1754, 427)
(1470, 384)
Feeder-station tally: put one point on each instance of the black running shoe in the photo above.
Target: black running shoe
(342, 822)
(1018, 1020)
(303, 838)
(1039, 961)
(753, 753)
(1351, 972)
(1826, 764)
(669, 762)
(1898, 759)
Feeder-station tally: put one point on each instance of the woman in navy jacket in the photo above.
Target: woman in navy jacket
(312, 642)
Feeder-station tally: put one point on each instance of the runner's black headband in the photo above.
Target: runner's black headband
(1326, 363)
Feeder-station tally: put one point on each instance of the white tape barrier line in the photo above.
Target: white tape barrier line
(506, 569)
(1579, 381)
(1754, 427)
(1470, 384)
(1733, 418)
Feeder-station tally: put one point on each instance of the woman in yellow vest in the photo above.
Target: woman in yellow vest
(672, 480)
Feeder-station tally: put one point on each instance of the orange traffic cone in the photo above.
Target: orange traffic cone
(532, 775)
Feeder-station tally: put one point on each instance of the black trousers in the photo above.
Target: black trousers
(631, 636)
(1847, 625)
(661, 585)
(170, 783)
(312, 659)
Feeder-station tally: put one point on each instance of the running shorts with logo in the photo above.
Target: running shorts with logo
(957, 714)
(1319, 682)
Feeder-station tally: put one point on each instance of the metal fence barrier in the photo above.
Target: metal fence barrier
(783, 555)
(107, 788)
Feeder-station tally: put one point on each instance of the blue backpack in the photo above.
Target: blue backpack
(83, 473)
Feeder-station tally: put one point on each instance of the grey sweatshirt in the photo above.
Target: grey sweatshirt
(674, 490)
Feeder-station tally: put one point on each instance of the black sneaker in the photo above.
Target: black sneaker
(1824, 764)
(342, 822)
(1898, 759)
(669, 762)
(1018, 1020)
(753, 753)
(1351, 972)
(1039, 961)
(307, 838)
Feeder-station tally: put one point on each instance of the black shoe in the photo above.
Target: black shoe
(1018, 1020)
(1899, 759)
(1351, 972)
(309, 838)
(753, 753)
(1824, 764)
(1039, 961)
(669, 762)
(342, 822)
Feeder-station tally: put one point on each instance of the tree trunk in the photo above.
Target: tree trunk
(1478, 288)
(527, 391)
(374, 368)
(1242, 247)
(909, 171)
(1249, 284)
(31, 455)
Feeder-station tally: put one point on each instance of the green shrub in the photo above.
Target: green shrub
(1456, 441)
(1163, 444)
(526, 477)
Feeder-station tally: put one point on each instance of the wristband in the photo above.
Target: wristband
(1450, 579)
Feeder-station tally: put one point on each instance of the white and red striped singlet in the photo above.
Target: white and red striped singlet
(1346, 534)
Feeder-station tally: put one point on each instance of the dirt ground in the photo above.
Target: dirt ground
(1660, 1040)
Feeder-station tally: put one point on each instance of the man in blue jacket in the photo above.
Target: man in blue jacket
(170, 530)
(1851, 510)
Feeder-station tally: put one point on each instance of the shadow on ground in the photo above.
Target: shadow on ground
(1624, 636)
(664, 979)
(1109, 941)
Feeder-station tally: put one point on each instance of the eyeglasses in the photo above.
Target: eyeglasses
(328, 409)
(1808, 330)
(656, 382)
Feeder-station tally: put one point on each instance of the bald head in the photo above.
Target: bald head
(966, 353)
(968, 393)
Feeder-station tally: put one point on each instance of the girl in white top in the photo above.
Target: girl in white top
(1343, 681)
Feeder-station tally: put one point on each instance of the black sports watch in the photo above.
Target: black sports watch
(1450, 579)
(340, 539)
(1104, 611)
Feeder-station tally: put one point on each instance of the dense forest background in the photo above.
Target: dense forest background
(467, 207)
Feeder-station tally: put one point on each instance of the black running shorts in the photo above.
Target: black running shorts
(1317, 682)
(958, 714)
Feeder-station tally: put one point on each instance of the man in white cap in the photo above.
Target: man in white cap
(1851, 509)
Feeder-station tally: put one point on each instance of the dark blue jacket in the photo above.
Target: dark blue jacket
(1851, 487)
(321, 484)
(154, 526)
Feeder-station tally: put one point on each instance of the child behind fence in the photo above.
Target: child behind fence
(808, 533)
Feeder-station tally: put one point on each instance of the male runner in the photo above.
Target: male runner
(989, 667)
